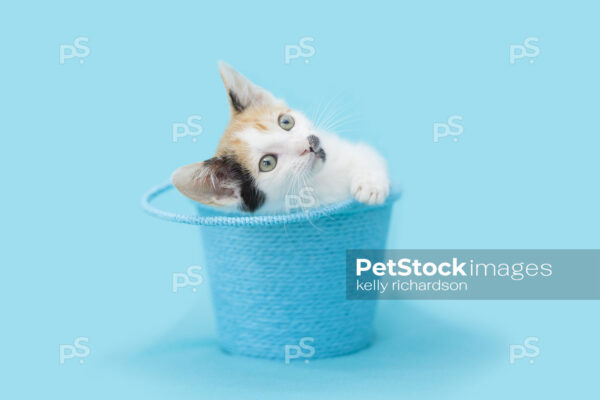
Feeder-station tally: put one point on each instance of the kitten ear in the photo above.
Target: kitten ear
(243, 93)
(210, 182)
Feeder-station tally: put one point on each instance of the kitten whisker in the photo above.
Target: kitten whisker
(331, 116)
(334, 125)
(325, 111)
(304, 176)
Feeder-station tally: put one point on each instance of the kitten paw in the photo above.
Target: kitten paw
(370, 189)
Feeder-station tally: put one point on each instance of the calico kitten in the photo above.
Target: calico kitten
(270, 156)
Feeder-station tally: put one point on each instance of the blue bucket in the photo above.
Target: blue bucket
(278, 280)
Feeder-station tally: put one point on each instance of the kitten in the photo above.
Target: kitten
(271, 159)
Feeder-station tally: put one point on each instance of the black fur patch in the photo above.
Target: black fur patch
(227, 168)
(235, 102)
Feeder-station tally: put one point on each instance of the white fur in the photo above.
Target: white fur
(248, 93)
(350, 169)
(300, 179)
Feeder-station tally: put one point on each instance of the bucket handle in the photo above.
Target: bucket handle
(243, 220)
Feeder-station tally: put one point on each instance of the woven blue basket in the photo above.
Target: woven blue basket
(278, 279)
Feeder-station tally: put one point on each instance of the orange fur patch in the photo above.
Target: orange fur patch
(261, 118)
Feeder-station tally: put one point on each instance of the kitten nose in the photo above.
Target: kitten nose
(314, 143)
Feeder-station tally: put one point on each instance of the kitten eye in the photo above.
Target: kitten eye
(267, 163)
(286, 121)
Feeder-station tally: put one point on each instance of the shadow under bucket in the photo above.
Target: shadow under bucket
(280, 280)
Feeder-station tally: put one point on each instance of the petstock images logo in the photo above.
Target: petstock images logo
(473, 274)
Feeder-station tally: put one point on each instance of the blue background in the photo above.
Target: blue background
(80, 142)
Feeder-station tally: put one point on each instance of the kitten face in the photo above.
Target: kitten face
(266, 149)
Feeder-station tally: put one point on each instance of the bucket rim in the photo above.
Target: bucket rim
(224, 219)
